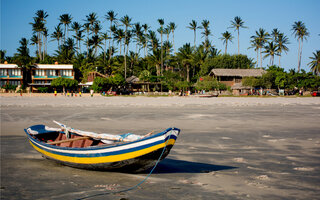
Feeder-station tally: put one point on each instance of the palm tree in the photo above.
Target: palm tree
(173, 27)
(2, 55)
(57, 34)
(237, 23)
(79, 37)
(95, 42)
(226, 36)
(119, 35)
(87, 28)
(262, 37)
(270, 50)
(145, 28)
(96, 28)
(105, 37)
(111, 16)
(35, 41)
(45, 35)
(255, 43)
(65, 19)
(37, 27)
(23, 52)
(161, 22)
(206, 33)
(301, 33)
(281, 43)
(155, 60)
(42, 15)
(167, 32)
(137, 33)
(315, 63)
(193, 26)
(186, 57)
(76, 26)
(275, 34)
(91, 19)
(22, 58)
(126, 21)
(153, 40)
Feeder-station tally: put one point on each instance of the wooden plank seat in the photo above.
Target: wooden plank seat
(82, 142)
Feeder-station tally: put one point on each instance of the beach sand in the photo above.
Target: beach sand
(229, 147)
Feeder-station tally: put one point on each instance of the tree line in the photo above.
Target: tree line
(134, 49)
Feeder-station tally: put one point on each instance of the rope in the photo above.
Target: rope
(124, 136)
(140, 183)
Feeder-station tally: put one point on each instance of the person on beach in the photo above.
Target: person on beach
(55, 93)
(80, 94)
(91, 92)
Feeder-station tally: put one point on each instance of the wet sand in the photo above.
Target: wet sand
(229, 148)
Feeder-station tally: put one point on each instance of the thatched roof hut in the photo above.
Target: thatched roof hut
(237, 72)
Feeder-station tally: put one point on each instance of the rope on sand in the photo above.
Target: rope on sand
(137, 185)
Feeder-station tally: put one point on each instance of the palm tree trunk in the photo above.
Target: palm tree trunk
(39, 45)
(279, 59)
(87, 43)
(238, 43)
(194, 39)
(110, 41)
(188, 76)
(257, 58)
(300, 55)
(124, 52)
(174, 48)
(104, 53)
(260, 60)
(225, 52)
(64, 35)
(44, 46)
(161, 56)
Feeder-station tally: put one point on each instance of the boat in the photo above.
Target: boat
(89, 150)
(208, 96)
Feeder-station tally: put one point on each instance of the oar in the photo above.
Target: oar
(69, 140)
(98, 135)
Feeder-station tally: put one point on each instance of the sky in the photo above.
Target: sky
(17, 14)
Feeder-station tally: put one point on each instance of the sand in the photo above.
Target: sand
(229, 147)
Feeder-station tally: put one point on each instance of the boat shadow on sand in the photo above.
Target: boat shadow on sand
(181, 166)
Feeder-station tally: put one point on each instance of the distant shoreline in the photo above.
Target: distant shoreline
(42, 100)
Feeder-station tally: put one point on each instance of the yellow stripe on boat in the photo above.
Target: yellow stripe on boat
(104, 159)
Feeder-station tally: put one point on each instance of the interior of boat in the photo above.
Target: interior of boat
(75, 141)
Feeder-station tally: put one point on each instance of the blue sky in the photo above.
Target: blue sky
(17, 14)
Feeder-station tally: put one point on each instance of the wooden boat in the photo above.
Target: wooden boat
(81, 149)
(208, 96)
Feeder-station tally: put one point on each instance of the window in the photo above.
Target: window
(2, 83)
(14, 72)
(66, 72)
(39, 72)
(14, 82)
(39, 82)
(3, 72)
(51, 72)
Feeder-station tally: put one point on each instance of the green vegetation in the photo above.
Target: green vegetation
(64, 83)
(277, 78)
(126, 49)
(9, 87)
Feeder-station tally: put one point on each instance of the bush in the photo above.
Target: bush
(9, 87)
(43, 89)
(209, 83)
